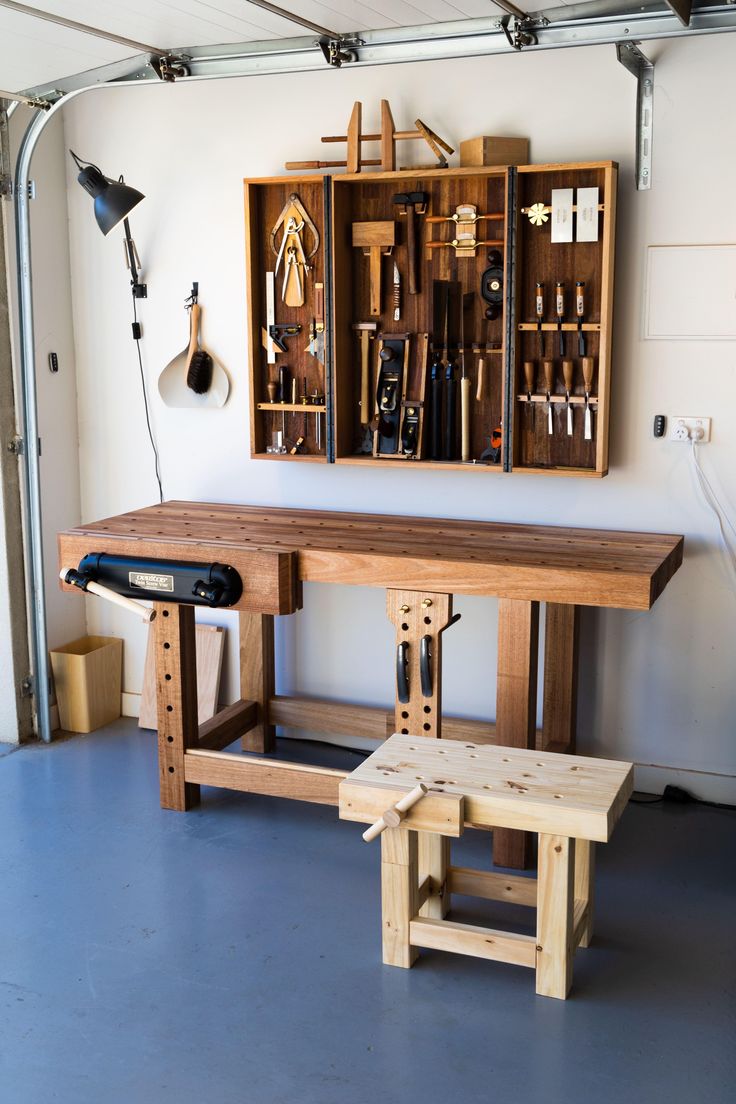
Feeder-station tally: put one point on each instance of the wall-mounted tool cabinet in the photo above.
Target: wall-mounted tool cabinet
(468, 318)
(287, 317)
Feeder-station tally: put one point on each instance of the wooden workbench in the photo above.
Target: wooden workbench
(422, 563)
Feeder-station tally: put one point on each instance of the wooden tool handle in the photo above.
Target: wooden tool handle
(530, 375)
(568, 369)
(128, 604)
(560, 300)
(465, 418)
(588, 372)
(411, 248)
(375, 280)
(399, 810)
(481, 380)
(365, 379)
(548, 366)
(539, 301)
(194, 315)
(319, 302)
(580, 299)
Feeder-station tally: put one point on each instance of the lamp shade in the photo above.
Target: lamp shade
(113, 200)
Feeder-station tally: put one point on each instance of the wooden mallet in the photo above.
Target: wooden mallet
(393, 817)
(376, 239)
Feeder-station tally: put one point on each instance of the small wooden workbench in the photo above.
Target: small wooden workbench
(422, 563)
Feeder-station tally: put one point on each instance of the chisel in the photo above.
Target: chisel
(580, 314)
(560, 313)
(588, 383)
(549, 382)
(567, 375)
(530, 378)
(539, 309)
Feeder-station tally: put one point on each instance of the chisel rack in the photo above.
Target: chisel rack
(290, 386)
(569, 354)
(452, 366)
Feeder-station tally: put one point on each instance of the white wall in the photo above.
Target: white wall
(657, 687)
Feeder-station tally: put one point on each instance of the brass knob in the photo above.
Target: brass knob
(403, 609)
(426, 602)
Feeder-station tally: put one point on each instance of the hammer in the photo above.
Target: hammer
(412, 204)
(366, 331)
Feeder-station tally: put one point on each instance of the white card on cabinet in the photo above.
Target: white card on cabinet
(561, 215)
(587, 220)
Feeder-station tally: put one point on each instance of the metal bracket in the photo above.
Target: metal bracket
(7, 187)
(518, 32)
(339, 51)
(639, 65)
(170, 67)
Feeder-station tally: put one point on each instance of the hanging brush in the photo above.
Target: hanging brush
(199, 364)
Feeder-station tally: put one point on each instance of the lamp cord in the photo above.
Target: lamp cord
(145, 404)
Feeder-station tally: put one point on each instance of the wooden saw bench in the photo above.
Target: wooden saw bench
(422, 563)
(424, 793)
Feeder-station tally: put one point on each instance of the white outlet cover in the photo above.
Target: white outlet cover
(677, 421)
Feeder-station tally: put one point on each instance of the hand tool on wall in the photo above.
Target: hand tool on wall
(467, 306)
(316, 346)
(466, 218)
(492, 454)
(388, 137)
(292, 223)
(539, 311)
(440, 310)
(548, 367)
(491, 285)
(588, 384)
(530, 416)
(567, 376)
(560, 315)
(397, 293)
(580, 314)
(412, 409)
(273, 337)
(454, 314)
(480, 388)
(411, 204)
(376, 239)
(175, 384)
(366, 332)
(317, 399)
(393, 357)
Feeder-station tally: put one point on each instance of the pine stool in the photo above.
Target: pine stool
(418, 793)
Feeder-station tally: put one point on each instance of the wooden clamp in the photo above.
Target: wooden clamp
(376, 239)
(388, 137)
(393, 816)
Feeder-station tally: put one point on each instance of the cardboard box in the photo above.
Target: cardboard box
(88, 677)
(487, 150)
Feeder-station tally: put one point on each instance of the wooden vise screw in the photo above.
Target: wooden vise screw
(376, 239)
(393, 816)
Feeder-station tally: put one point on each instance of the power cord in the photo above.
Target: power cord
(713, 502)
(137, 334)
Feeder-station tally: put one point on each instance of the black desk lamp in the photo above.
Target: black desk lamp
(114, 200)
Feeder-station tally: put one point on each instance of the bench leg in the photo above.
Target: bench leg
(176, 701)
(399, 885)
(584, 877)
(555, 915)
(516, 707)
(434, 858)
(257, 677)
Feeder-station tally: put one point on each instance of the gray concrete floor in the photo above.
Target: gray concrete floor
(231, 955)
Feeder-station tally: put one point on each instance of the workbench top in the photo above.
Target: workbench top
(594, 567)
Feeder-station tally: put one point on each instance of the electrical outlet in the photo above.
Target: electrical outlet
(685, 428)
